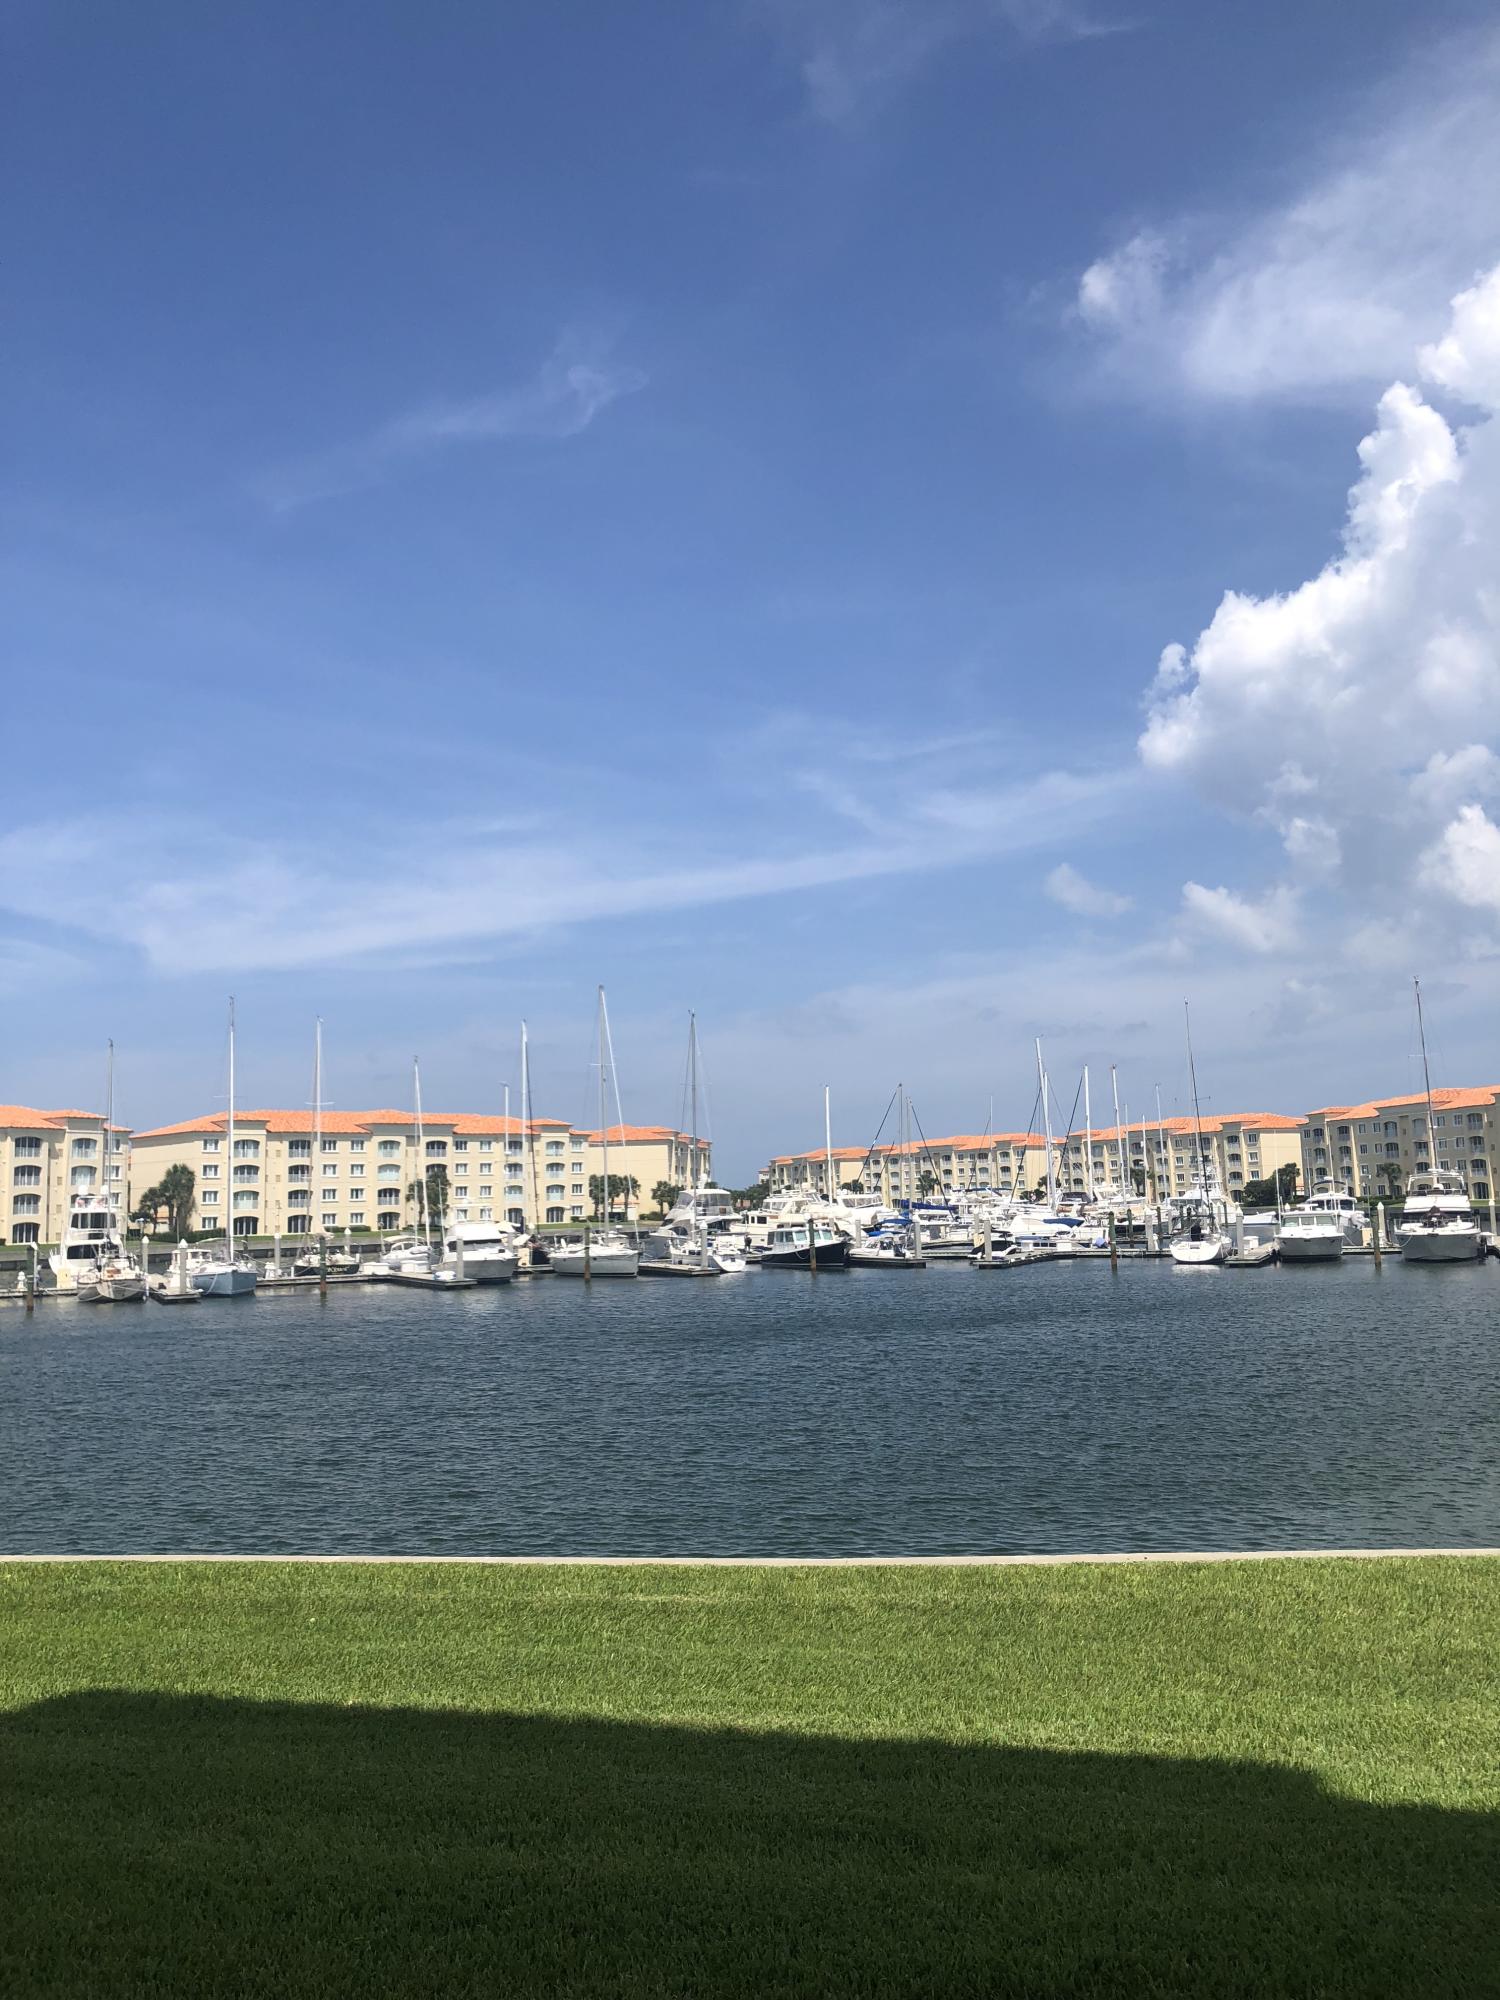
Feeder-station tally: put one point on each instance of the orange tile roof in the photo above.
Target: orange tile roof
(358, 1122)
(628, 1135)
(1447, 1098)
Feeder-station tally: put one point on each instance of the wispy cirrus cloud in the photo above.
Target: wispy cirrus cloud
(1335, 284)
(854, 55)
(579, 379)
(257, 902)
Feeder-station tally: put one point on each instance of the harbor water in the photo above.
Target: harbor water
(1051, 1408)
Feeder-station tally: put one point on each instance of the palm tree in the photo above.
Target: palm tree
(927, 1182)
(664, 1194)
(177, 1192)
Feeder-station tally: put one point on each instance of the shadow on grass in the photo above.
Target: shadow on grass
(204, 1846)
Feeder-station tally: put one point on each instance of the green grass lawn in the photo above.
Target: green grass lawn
(1214, 1778)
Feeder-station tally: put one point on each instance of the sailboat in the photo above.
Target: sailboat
(221, 1274)
(317, 1260)
(687, 1242)
(1437, 1224)
(413, 1260)
(605, 1252)
(1204, 1238)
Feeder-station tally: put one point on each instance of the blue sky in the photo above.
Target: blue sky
(696, 497)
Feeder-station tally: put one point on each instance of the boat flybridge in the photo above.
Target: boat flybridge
(91, 1262)
(1320, 1229)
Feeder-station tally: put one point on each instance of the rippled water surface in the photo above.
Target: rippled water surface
(1050, 1408)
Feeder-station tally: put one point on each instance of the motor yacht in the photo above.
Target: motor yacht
(606, 1253)
(1437, 1223)
(491, 1255)
(1320, 1229)
(809, 1244)
(687, 1248)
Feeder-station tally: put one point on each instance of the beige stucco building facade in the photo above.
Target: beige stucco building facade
(48, 1157)
(649, 1155)
(894, 1172)
(1373, 1148)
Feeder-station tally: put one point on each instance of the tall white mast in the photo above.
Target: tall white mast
(697, 1177)
(109, 1133)
(1114, 1084)
(1162, 1162)
(1088, 1137)
(317, 1169)
(530, 1206)
(603, 1111)
(416, 1091)
(505, 1151)
(1426, 1075)
(1042, 1084)
(828, 1138)
(229, 1217)
(1187, 1025)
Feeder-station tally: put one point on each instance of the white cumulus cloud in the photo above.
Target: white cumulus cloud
(1085, 898)
(1353, 713)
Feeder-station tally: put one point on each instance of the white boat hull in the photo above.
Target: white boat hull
(1311, 1249)
(1441, 1246)
(568, 1262)
(485, 1267)
(226, 1282)
(123, 1290)
(1205, 1250)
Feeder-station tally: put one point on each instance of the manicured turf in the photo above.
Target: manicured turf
(284, 1780)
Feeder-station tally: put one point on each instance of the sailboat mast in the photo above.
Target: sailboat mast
(1042, 1085)
(1114, 1085)
(528, 1149)
(603, 1111)
(1088, 1137)
(1197, 1114)
(1426, 1073)
(1161, 1150)
(828, 1139)
(697, 1177)
(229, 1215)
(317, 1171)
(416, 1092)
(109, 1131)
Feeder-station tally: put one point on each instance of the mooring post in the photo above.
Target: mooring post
(588, 1256)
(1114, 1244)
(988, 1238)
(323, 1267)
(31, 1282)
(1379, 1230)
(812, 1248)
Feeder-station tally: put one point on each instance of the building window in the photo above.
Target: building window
(299, 1197)
(28, 1149)
(357, 1219)
(485, 1192)
(460, 1194)
(388, 1173)
(330, 1145)
(388, 1218)
(554, 1215)
(554, 1146)
(389, 1148)
(330, 1218)
(247, 1173)
(82, 1177)
(517, 1216)
(26, 1204)
(577, 1187)
(245, 1225)
(25, 1232)
(28, 1177)
(209, 1197)
(460, 1145)
(293, 1174)
(330, 1169)
(84, 1149)
(437, 1149)
(486, 1145)
(356, 1168)
(298, 1149)
(356, 1145)
(210, 1145)
(247, 1149)
(298, 1225)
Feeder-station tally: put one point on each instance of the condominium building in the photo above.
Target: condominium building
(366, 1169)
(998, 1160)
(48, 1157)
(1373, 1148)
(651, 1156)
(1160, 1160)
